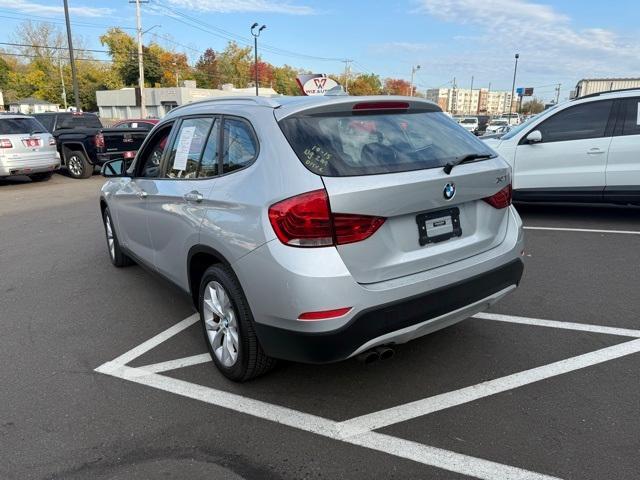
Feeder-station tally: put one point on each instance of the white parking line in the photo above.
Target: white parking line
(583, 327)
(436, 457)
(418, 408)
(177, 363)
(585, 230)
(359, 430)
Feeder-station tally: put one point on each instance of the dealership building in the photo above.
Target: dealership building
(125, 103)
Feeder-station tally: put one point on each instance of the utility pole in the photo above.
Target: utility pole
(347, 73)
(558, 93)
(413, 72)
(175, 64)
(64, 90)
(74, 74)
(454, 98)
(255, 52)
(143, 107)
(513, 87)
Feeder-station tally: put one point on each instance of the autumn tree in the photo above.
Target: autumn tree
(284, 80)
(365, 84)
(206, 69)
(130, 71)
(234, 65)
(397, 86)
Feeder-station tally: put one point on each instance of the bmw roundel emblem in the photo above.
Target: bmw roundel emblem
(449, 191)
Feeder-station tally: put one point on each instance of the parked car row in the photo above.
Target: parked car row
(38, 145)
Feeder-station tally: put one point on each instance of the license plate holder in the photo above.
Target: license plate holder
(434, 227)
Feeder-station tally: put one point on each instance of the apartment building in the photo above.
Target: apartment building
(464, 101)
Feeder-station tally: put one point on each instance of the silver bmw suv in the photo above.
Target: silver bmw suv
(314, 229)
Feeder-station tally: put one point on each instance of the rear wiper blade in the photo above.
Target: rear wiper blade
(467, 158)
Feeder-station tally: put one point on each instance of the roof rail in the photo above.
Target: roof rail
(597, 94)
(262, 101)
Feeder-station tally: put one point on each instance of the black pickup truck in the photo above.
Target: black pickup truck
(83, 143)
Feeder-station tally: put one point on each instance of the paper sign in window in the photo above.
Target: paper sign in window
(183, 148)
(638, 115)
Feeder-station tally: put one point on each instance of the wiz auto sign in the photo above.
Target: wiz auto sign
(315, 84)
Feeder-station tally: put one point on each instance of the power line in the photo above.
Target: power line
(61, 58)
(51, 47)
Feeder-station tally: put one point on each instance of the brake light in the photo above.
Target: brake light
(502, 199)
(5, 143)
(367, 106)
(306, 220)
(325, 314)
(99, 140)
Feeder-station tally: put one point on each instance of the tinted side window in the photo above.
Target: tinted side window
(631, 120)
(188, 147)
(48, 121)
(240, 146)
(588, 120)
(148, 161)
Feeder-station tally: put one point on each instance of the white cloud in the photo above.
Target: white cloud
(231, 6)
(550, 44)
(25, 6)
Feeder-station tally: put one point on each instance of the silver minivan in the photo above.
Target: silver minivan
(26, 148)
(315, 229)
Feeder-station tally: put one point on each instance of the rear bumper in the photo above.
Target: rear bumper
(396, 322)
(9, 167)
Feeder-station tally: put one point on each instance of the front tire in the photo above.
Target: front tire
(118, 258)
(77, 165)
(228, 329)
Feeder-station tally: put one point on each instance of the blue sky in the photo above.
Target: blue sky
(559, 41)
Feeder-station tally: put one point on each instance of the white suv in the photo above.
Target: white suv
(585, 150)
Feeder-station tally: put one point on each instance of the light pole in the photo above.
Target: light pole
(413, 72)
(255, 49)
(513, 87)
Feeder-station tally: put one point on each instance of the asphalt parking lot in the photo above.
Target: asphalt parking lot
(104, 376)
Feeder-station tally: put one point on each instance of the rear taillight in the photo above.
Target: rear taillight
(99, 140)
(52, 141)
(502, 199)
(5, 143)
(306, 220)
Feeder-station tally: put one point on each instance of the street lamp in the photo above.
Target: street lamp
(256, 34)
(513, 87)
(413, 72)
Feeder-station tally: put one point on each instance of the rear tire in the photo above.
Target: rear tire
(77, 164)
(227, 324)
(118, 258)
(41, 177)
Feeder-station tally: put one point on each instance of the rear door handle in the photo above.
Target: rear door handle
(193, 197)
(595, 151)
(142, 194)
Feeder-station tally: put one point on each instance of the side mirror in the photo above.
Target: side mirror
(114, 168)
(534, 137)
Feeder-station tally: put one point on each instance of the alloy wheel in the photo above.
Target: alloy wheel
(221, 324)
(75, 165)
(110, 238)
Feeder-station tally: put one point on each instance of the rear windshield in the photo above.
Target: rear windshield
(344, 145)
(78, 121)
(10, 126)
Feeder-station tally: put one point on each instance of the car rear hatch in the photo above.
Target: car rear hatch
(385, 159)
(24, 143)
